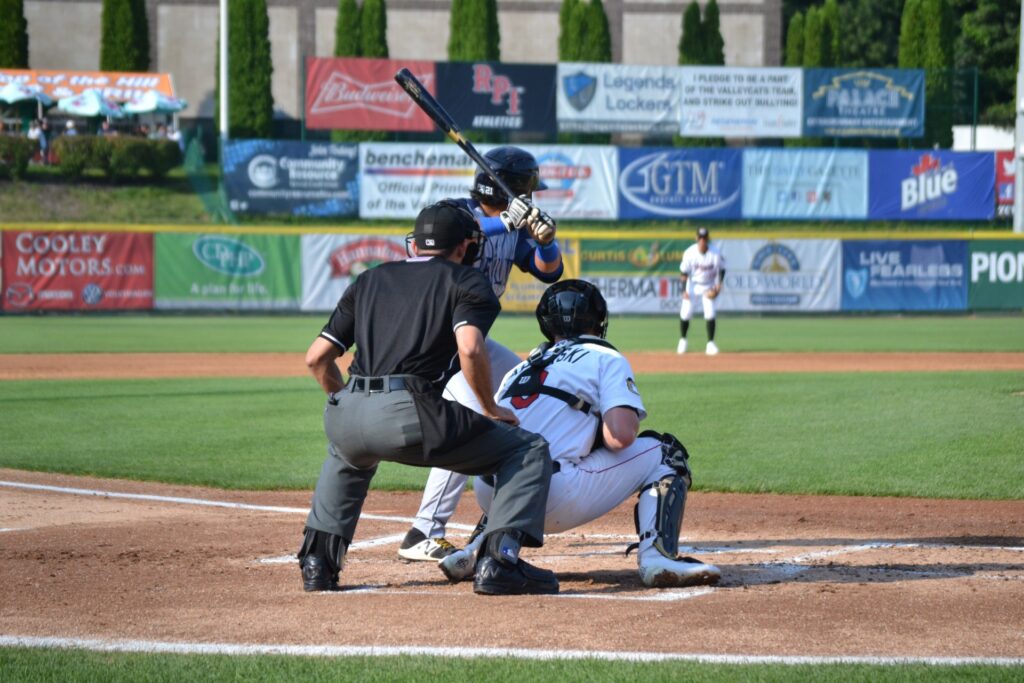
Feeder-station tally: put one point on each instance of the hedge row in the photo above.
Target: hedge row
(15, 153)
(118, 157)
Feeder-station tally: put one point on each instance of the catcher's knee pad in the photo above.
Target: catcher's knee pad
(329, 546)
(668, 520)
(673, 454)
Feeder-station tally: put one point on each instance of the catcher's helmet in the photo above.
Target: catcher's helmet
(570, 308)
(516, 167)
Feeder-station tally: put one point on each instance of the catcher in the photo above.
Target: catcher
(578, 392)
(520, 235)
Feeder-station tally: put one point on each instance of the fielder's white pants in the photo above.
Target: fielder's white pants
(698, 298)
(444, 489)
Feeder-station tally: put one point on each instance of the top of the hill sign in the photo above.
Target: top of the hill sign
(120, 86)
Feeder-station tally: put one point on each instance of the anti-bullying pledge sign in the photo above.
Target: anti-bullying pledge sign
(361, 94)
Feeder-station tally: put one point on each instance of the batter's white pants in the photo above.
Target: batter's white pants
(444, 489)
(699, 300)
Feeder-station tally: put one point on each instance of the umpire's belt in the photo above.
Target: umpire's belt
(376, 385)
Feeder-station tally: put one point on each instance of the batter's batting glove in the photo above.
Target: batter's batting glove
(541, 226)
(513, 217)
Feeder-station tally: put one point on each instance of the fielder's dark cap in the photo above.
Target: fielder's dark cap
(702, 232)
(444, 225)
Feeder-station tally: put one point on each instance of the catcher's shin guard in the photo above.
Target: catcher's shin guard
(659, 514)
(321, 558)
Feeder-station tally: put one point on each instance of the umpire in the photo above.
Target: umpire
(413, 323)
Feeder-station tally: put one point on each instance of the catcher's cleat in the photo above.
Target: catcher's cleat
(418, 548)
(711, 349)
(459, 566)
(681, 347)
(496, 577)
(658, 571)
(317, 574)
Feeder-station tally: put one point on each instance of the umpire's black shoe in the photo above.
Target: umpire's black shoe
(317, 574)
(495, 577)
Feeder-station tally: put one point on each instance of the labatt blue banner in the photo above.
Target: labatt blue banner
(884, 103)
(931, 185)
(672, 183)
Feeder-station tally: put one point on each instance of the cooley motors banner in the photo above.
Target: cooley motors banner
(498, 96)
(46, 271)
(361, 94)
(866, 102)
(618, 98)
(733, 102)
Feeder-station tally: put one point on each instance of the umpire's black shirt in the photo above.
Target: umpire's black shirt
(401, 317)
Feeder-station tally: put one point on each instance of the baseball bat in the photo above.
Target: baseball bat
(432, 108)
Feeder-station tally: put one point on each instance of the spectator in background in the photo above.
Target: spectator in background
(34, 132)
(174, 135)
(106, 129)
(158, 133)
(44, 140)
(69, 128)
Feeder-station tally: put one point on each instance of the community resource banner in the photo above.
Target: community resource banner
(252, 272)
(361, 94)
(931, 185)
(864, 103)
(51, 271)
(781, 275)
(301, 178)
(997, 275)
(121, 86)
(680, 183)
(791, 183)
(331, 262)
(498, 96)
(919, 275)
(741, 102)
(618, 98)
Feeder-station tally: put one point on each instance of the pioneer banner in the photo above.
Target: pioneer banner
(997, 275)
(618, 98)
(498, 96)
(741, 102)
(864, 103)
(361, 94)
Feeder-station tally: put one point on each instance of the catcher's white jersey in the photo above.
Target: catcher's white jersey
(600, 375)
(701, 269)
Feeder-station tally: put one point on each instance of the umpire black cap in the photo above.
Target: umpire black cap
(444, 225)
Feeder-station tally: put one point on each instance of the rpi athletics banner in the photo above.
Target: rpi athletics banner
(680, 183)
(613, 98)
(884, 103)
(250, 272)
(920, 275)
(76, 271)
(781, 275)
(931, 185)
(997, 275)
(809, 183)
(498, 96)
(741, 102)
(331, 262)
(361, 94)
(301, 178)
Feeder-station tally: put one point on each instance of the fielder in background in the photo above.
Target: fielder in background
(578, 392)
(702, 271)
(412, 323)
(518, 234)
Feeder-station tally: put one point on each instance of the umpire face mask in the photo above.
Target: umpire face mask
(475, 249)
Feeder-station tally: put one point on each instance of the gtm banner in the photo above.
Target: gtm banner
(302, 178)
(813, 183)
(498, 96)
(904, 276)
(679, 183)
(609, 98)
(885, 103)
(931, 185)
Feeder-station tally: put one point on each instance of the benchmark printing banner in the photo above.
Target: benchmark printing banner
(76, 271)
(734, 102)
(904, 276)
(361, 94)
(498, 96)
(679, 183)
(884, 103)
(791, 183)
(931, 185)
(612, 98)
(331, 262)
(301, 178)
(781, 275)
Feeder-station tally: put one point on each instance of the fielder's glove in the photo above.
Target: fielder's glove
(713, 292)
(513, 217)
(541, 226)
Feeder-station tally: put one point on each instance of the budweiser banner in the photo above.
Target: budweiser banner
(361, 94)
(116, 85)
(497, 96)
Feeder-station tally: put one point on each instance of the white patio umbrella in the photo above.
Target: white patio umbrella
(155, 102)
(13, 93)
(90, 103)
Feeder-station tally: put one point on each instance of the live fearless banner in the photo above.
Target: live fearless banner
(498, 96)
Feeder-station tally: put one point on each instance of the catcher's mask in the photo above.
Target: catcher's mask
(444, 225)
(516, 167)
(570, 308)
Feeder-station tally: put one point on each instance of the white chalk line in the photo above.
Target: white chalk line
(247, 649)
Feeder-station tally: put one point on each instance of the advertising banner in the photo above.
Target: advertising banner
(997, 275)
(524, 290)
(77, 271)
(331, 262)
(931, 185)
(361, 94)
(600, 257)
(259, 272)
(919, 275)
(120, 86)
(680, 183)
(720, 101)
(884, 103)
(640, 294)
(781, 275)
(499, 96)
(283, 176)
(805, 183)
(618, 98)
(580, 180)
(1006, 175)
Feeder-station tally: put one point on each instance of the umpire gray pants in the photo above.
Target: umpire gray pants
(366, 428)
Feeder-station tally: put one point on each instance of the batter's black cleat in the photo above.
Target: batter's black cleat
(496, 577)
(317, 575)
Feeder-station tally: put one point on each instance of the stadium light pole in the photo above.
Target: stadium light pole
(1018, 136)
(223, 70)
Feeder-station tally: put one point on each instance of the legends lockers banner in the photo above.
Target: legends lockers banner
(618, 98)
